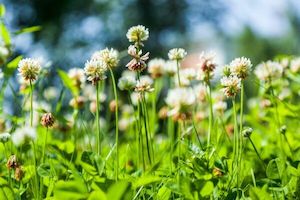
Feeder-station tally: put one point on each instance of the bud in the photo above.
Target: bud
(217, 172)
(247, 132)
(282, 129)
(4, 137)
(19, 173)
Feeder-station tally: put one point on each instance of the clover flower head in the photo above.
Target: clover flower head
(156, 67)
(220, 106)
(295, 65)
(201, 92)
(4, 53)
(231, 85)
(108, 56)
(23, 134)
(144, 84)
(138, 63)
(77, 75)
(269, 70)
(95, 70)
(137, 34)
(207, 62)
(170, 68)
(177, 54)
(241, 67)
(4, 137)
(47, 120)
(29, 69)
(180, 101)
(126, 83)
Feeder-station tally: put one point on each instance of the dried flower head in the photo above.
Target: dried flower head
(95, 70)
(12, 162)
(144, 84)
(241, 67)
(126, 83)
(268, 71)
(29, 69)
(231, 85)
(4, 137)
(177, 54)
(156, 67)
(19, 173)
(181, 102)
(47, 120)
(108, 56)
(138, 63)
(137, 34)
(163, 112)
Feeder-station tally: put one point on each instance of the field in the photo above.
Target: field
(160, 131)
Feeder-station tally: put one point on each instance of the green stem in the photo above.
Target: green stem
(31, 103)
(179, 151)
(117, 122)
(210, 123)
(256, 151)
(178, 75)
(240, 138)
(98, 120)
(236, 144)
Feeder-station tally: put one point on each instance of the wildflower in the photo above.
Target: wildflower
(23, 134)
(170, 68)
(207, 66)
(112, 105)
(220, 107)
(269, 71)
(126, 83)
(12, 162)
(241, 67)
(95, 70)
(77, 102)
(108, 56)
(29, 69)
(231, 85)
(77, 76)
(138, 34)
(50, 93)
(4, 53)
(226, 70)
(295, 65)
(201, 92)
(163, 112)
(144, 84)
(189, 74)
(138, 63)
(217, 172)
(181, 102)
(177, 54)
(4, 137)
(47, 120)
(156, 67)
(124, 123)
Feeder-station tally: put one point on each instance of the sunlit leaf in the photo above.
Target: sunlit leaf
(28, 30)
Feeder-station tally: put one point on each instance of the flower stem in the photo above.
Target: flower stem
(236, 145)
(98, 121)
(256, 151)
(211, 117)
(31, 103)
(178, 75)
(240, 138)
(116, 122)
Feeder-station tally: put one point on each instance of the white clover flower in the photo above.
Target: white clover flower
(29, 69)
(109, 56)
(23, 134)
(89, 92)
(207, 65)
(231, 85)
(220, 106)
(181, 101)
(156, 67)
(50, 93)
(144, 84)
(137, 34)
(125, 122)
(4, 137)
(295, 65)
(4, 53)
(241, 67)
(135, 98)
(170, 68)
(177, 54)
(189, 74)
(95, 70)
(201, 92)
(126, 83)
(77, 75)
(127, 110)
(268, 70)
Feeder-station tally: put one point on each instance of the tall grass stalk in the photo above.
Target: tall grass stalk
(116, 122)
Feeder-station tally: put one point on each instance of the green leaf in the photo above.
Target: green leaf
(145, 180)
(28, 30)
(117, 190)
(44, 170)
(96, 195)
(70, 190)
(5, 34)
(207, 189)
(6, 193)
(275, 169)
(164, 193)
(12, 66)
(2, 10)
(259, 194)
(68, 83)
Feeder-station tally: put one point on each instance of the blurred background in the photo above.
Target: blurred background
(73, 29)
